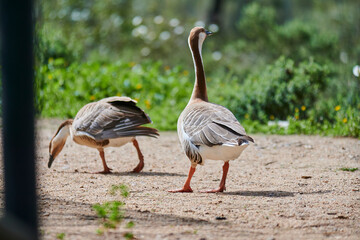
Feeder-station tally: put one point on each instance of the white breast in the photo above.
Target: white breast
(222, 152)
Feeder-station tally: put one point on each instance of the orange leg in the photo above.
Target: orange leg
(186, 187)
(140, 166)
(223, 180)
(106, 168)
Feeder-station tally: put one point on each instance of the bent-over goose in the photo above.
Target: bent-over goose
(110, 122)
(207, 130)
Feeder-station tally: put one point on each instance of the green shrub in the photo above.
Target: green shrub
(278, 91)
(160, 90)
(283, 90)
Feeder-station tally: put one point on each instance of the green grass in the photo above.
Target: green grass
(112, 213)
(281, 91)
(123, 189)
(349, 169)
(60, 236)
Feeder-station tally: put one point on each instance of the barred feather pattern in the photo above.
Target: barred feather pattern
(113, 117)
(208, 124)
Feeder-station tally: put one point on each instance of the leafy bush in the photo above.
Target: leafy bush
(296, 39)
(160, 90)
(278, 90)
(282, 90)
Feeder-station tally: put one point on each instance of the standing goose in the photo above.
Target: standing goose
(110, 122)
(207, 130)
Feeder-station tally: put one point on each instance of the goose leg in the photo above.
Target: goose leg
(140, 166)
(222, 182)
(186, 187)
(106, 168)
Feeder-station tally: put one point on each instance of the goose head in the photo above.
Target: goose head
(197, 36)
(58, 141)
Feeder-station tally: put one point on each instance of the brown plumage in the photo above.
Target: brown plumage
(207, 130)
(110, 122)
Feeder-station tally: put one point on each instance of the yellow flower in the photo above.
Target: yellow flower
(337, 108)
(296, 110)
(297, 117)
(118, 94)
(92, 97)
(272, 117)
(167, 68)
(345, 120)
(138, 86)
(147, 104)
(50, 77)
(131, 64)
(185, 72)
(247, 116)
(303, 108)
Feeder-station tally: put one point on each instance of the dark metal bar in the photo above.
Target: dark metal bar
(17, 27)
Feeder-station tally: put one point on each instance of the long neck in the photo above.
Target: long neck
(58, 141)
(60, 136)
(199, 91)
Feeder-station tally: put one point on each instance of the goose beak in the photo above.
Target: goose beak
(208, 33)
(51, 159)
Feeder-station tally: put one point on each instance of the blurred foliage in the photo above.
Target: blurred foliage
(278, 90)
(162, 92)
(282, 91)
(273, 60)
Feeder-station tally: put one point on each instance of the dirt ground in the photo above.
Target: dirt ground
(281, 187)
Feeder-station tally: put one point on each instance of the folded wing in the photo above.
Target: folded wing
(113, 117)
(211, 124)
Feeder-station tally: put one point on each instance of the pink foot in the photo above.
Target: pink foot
(184, 189)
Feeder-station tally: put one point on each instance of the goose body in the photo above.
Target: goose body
(110, 122)
(207, 130)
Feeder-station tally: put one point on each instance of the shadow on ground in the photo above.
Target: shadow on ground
(131, 174)
(271, 193)
(74, 213)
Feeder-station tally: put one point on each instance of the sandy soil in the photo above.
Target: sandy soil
(282, 187)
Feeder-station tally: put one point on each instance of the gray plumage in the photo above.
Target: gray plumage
(113, 117)
(208, 124)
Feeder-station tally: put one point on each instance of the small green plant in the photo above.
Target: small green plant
(123, 189)
(112, 212)
(128, 235)
(349, 169)
(130, 224)
(99, 231)
(60, 236)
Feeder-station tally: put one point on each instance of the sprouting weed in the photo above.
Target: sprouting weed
(349, 169)
(124, 191)
(130, 224)
(112, 213)
(60, 236)
(128, 235)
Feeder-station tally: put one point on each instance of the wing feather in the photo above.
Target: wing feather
(113, 117)
(211, 124)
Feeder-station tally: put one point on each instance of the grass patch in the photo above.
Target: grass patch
(60, 236)
(112, 213)
(349, 169)
(279, 92)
